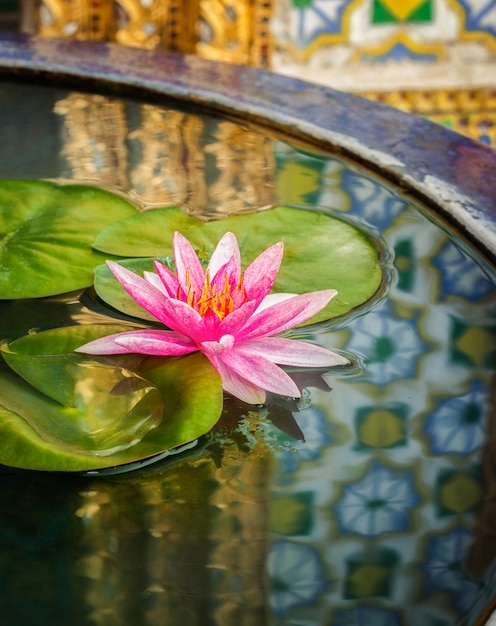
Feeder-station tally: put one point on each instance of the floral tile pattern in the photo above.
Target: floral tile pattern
(378, 503)
(296, 576)
(378, 30)
(457, 424)
(480, 15)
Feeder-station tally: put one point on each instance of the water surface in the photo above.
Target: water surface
(382, 515)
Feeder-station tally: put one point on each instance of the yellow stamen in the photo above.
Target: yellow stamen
(221, 303)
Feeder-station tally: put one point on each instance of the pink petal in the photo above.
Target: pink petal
(167, 278)
(260, 372)
(226, 253)
(175, 314)
(211, 323)
(235, 320)
(230, 269)
(274, 298)
(185, 259)
(153, 342)
(214, 348)
(279, 317)
(291, 352)
(154, 280)
(145, 294)
(182, 318)
(238, 386)
(103, 345)
(260, 275)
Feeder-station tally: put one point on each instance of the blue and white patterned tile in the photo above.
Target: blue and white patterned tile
(480, 15)
(297, 576)
(374, 204)
(310, 19)
(460, 274)
(381, 502)
(317, 433)
(447, 572)
(458, 424)
(388, 346)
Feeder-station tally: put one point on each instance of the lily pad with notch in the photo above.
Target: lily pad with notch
(46, 231)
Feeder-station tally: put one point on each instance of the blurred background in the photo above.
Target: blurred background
(435, 58)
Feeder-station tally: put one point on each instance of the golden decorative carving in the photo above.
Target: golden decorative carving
(235, 31)
(225, 29)
(262, 44)
(184, 544)
(181, 32)
(141, 22)
(211, 168)
(228, 30)
(239, 543)
(77, 19)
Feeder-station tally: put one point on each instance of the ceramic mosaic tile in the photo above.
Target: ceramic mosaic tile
(380, 30)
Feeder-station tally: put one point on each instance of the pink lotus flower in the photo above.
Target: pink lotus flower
(224, 313)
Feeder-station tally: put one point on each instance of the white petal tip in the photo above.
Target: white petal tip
(336, 360)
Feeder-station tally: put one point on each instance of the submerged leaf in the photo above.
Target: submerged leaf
(46, 231)
(84, 413)
(320, 251)
(47, 361)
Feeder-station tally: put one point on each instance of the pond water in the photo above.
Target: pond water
(367, 503)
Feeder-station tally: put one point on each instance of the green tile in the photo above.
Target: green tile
(381, 14)
(422, 14)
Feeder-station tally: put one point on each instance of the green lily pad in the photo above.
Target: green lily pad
(320, 251)
(46, 231)
(72, 412)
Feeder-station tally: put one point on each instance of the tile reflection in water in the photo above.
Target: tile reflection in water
(399, 508)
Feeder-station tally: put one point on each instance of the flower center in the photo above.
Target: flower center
(219, 301)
